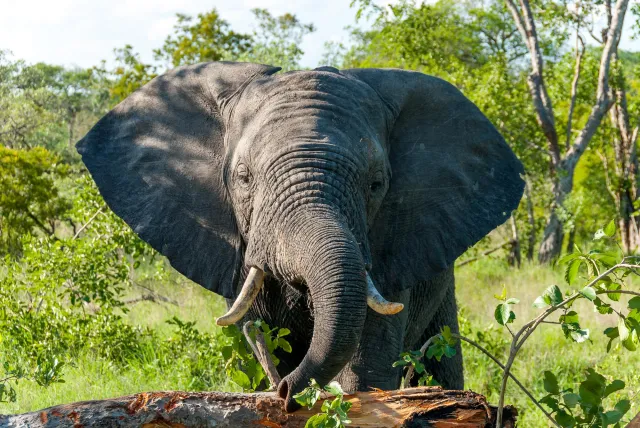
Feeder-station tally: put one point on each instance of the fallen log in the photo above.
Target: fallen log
(413, 407)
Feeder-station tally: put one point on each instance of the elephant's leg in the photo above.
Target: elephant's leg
(380, 345)
(448, 371)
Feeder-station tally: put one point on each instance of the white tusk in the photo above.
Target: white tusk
(379, 303)
(250, 290)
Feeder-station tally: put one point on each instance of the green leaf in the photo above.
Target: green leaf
(551, 383)
(503, 314)
(446, 334)
(589, 293)
(614, 287)
(334, 388)
(564, 419)
(592, 389)
(567, 258)
(623, 330)
(512, 301)
(227, 352)
(571, 272)
(610, 229)
(284, 345)
(284, 332)
(502, 297)
(449, 351)
(241, 379)
(550, 401)
(599, 235)
(634, 303)
(630, 342)
(570, 317)
(571, 399)
(580, 335)
(621, 407)
(540, 302)
(607, 258)
(614, 386)
(317, 421)
(552, 295)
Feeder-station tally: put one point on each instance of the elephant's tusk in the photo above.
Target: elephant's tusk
(250, 290)
(379, 303)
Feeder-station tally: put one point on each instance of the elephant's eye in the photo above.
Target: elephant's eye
(376, 186)
(377, 182)
(243, 175)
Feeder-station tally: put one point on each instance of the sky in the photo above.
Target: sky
(84, 32)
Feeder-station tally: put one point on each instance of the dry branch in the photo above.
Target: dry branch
(427, 406)
(486, 253)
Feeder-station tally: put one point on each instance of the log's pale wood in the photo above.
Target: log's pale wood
(413, 407)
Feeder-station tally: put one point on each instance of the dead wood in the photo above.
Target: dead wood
(413, 407)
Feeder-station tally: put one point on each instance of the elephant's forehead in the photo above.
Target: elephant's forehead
(310, 104)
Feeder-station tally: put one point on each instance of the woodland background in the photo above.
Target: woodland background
(87, 310)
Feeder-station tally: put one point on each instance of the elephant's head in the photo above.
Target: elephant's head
(327, 180)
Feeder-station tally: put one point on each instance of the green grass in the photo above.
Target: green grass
(547, 349)
(94, 378)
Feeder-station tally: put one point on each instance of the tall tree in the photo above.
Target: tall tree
(564, 162)
(207, 38)
(275, 40)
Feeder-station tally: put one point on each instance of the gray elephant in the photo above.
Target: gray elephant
(330, 202)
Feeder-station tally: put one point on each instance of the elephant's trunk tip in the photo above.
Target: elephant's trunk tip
(248, 294)
(284, 391)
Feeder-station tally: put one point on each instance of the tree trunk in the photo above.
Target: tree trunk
(71, 126)
(514, 258)
(532, 221)
(552, 241)
(571, 242)
(626, 169)
(426, 406)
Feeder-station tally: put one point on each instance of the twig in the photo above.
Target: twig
(155, 298)
(84, 226)
(486, 253)
(633, 293)
(259, 348)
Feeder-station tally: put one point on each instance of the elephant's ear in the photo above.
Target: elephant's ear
(454, 178)
(157, 159)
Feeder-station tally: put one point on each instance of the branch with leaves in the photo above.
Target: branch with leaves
(605, 273)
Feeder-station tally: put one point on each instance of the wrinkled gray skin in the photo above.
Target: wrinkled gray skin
(316, 177)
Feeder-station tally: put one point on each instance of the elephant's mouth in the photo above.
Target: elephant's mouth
(255, 280)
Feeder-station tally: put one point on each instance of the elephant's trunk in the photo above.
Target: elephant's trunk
(325, 254)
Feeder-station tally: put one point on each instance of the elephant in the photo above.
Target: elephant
(330, 202)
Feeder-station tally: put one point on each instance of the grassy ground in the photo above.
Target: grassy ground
(91, 378)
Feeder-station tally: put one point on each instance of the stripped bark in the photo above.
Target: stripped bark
(563, 166)
(426, 406)
(261, 352)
